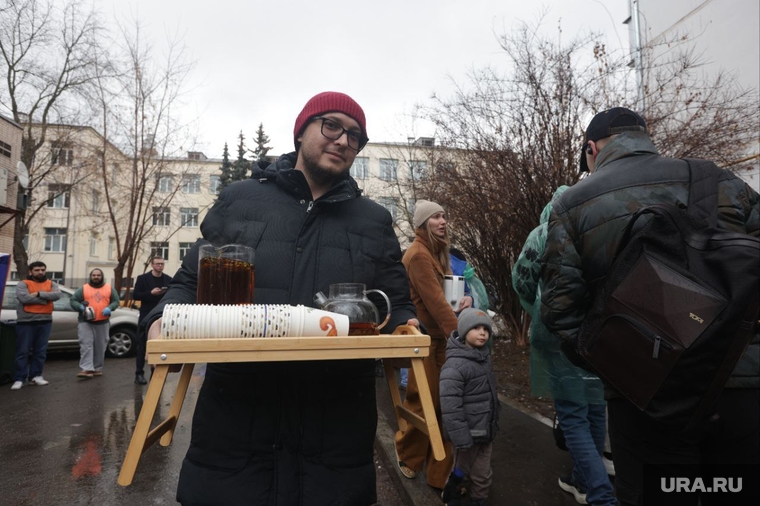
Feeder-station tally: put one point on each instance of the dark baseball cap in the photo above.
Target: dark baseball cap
(610, 122)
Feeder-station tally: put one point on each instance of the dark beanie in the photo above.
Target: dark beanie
(470, 318)
(328, 101)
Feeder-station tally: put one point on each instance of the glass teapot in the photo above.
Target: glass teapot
(351, 300)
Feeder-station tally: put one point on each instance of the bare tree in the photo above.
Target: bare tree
(515, 139)
(47, 51)
(518, 135)
(137, 101)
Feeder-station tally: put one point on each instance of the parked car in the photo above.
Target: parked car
(63, 336)
(134, 304)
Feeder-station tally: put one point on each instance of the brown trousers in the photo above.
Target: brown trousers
(475, 463)
(413, 446)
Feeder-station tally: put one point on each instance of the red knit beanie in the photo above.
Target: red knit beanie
(328, 101)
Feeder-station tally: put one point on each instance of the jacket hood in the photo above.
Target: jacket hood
(457, 348)
(283, 171)
(546, 213)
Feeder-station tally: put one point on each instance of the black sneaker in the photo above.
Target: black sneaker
(451, 491)
(140, 379)
(567, 484)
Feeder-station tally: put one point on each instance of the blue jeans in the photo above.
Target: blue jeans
(404, 375)
(584, 429)
(35, 337)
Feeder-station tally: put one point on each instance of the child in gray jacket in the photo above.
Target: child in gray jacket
(470, 406)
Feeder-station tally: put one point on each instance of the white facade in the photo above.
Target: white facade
(72, 233)
(726, 35)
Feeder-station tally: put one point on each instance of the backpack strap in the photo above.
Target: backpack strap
(703, 191)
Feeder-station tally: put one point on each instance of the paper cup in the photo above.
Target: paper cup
(323, 323)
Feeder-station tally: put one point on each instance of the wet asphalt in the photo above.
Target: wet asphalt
(64, 443)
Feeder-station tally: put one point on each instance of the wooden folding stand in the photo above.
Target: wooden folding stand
(406, 342)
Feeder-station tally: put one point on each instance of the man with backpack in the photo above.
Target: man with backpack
(587, 230)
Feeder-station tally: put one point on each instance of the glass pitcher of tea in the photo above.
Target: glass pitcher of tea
(225, 274)
(351, 300)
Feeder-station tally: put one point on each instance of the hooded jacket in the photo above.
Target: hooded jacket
(552, 374)
(588, 221)
(307, 428)
(469, 399)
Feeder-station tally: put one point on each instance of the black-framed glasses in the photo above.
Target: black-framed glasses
(334, 131)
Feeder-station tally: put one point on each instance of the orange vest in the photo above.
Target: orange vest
(36, 286)
(99, 299)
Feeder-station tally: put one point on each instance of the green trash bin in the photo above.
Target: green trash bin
(7, 350)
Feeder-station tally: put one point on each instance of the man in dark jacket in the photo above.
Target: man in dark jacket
(294, 433)
(149, 289)
(585, 229)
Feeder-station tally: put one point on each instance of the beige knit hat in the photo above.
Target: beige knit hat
(423, 210)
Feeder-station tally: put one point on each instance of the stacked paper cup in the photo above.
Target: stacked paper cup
(201, 321)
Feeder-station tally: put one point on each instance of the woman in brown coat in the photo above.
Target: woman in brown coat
(427, 262)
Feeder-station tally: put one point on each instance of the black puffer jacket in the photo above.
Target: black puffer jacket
(588, 221)
(469, 399)
(291, 433)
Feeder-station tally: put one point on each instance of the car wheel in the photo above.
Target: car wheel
(122, 342)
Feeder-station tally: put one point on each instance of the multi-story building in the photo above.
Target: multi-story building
(93, 187)
(10, 177)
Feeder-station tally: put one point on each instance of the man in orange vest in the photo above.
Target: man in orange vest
(94, 301)
(34, 319)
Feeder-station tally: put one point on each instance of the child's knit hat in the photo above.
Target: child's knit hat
(471, 318)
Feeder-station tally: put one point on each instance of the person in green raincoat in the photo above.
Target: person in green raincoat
(578, 395)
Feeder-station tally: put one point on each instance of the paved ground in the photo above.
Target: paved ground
(63, 444)
(526, 463)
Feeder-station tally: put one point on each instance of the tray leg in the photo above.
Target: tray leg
(390, 375)
(428, 409)
(138, 443)
(179, 399)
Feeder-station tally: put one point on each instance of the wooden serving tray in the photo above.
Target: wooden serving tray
(405, 343)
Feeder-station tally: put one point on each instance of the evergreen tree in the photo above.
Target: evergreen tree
(226, 169)
(241, 166)
(261, 140)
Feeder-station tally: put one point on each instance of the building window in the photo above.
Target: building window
(160, 249)
(61, 154)
(213, 184)
(95, 201)
(388, 169)
(55, 239)
(360, 168)
(161, 216)
(165, 184)
(188, 216)
(184, 249)
(58, 278)
(111, 248)
(114, 174)
(417, 169)
(390, 204)
(5, 149)
(191, 183)
(93, 245)
(58, 196)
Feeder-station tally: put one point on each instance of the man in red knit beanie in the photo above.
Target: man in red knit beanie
(277, 432)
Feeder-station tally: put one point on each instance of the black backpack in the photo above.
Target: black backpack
(677, 308)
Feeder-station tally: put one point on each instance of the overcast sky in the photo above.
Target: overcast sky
(260, 61)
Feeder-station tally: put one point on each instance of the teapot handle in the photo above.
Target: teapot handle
(387, 301)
